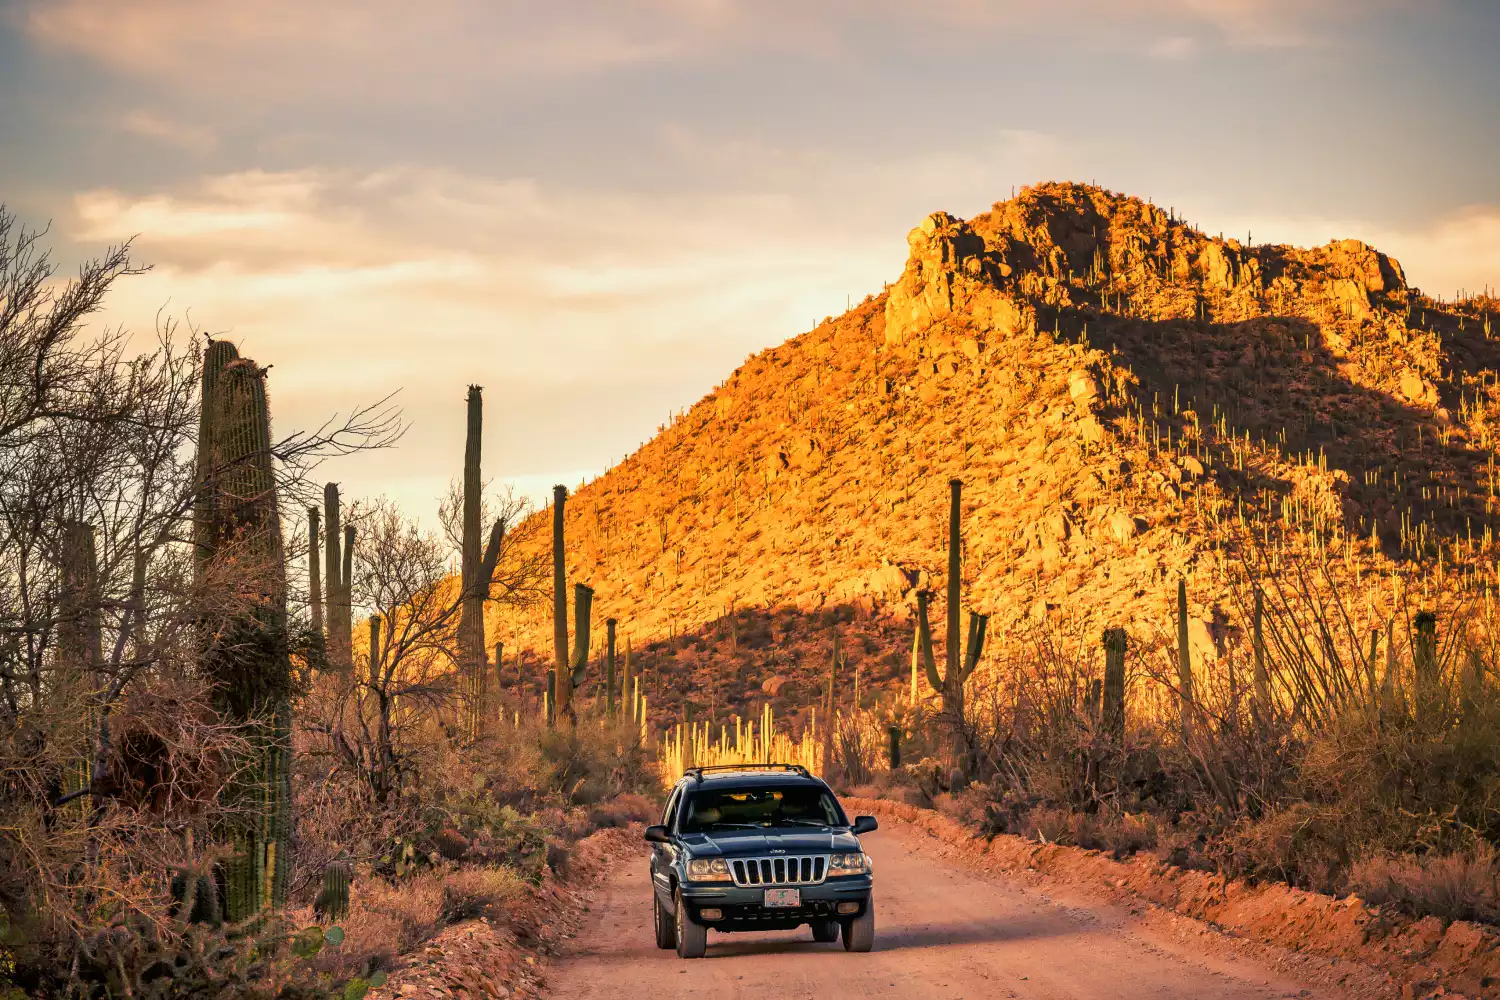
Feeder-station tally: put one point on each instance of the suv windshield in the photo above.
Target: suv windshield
(761, 806)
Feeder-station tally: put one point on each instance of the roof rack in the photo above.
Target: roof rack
(697, 772)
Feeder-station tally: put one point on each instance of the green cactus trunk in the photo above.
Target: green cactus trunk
(953, 689)
(609, 667)
(1112, 707)
(314, 571)
(246, 649)
(894, 735)
(339, 614)
(206, 524)
(1262, 703)
(1184, 665)
(960, 661)
(472, 665)
(583, 606)
(560, 601)
(1424, 663)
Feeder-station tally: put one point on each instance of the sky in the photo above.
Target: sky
(597, 209)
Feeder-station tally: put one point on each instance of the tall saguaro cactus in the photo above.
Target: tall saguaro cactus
(1184, 664)
(1112, 709)
(960, 661)
(245, 648)
(1424, 662)
(609, 667)
(338, 559)
(476, 573)
(314, 572)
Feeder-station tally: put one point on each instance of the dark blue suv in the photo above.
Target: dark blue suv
(749, 847)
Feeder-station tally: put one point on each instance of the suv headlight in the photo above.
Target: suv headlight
(848, 864)
(708, 870)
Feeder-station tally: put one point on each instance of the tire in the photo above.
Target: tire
(825, 930)
(692, 938)
(859, 933)
(666, 933)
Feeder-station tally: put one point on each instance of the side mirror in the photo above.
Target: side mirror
(862, 824)
(658, 835)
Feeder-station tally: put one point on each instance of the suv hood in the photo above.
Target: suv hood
(754, 843)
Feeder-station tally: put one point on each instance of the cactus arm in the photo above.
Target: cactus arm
(955, 575)
(583, 603)
(978, 624)
(924, 641)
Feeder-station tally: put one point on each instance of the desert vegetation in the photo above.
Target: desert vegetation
(216, 781)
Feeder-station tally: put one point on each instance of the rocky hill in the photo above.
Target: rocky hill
(1126, 399)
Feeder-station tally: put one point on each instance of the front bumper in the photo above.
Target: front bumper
(742, 906)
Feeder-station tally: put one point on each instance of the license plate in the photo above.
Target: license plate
(783, 897)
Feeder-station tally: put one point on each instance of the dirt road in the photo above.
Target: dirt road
(941, 932)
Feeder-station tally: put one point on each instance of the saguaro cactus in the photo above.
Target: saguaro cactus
(960, 661)
(583, 605)
(1424, 662)
(609, 667)
(79, 635)
(476, 573)
(1112, 709)
(206, 524)
(1184, 665)
(246, 651)
(560, 595)
(314, 571)
(1262, 703)
(338, 563)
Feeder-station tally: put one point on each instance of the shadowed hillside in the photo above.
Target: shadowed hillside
(1127, 400)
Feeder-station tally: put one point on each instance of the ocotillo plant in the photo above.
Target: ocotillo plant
(1112, 709)
(583, 604)
(960, 662)
(247, 655)
(609, 667)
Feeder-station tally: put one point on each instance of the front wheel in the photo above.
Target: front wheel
(825, 930)
(859, 933)
(666, 934)
(692, 938)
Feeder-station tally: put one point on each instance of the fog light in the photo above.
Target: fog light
(711, 913)
(848, 907)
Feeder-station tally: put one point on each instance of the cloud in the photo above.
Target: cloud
(192, 138)
(1174, 47)
(287, 50)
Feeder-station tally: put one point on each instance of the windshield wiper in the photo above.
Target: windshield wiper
(734, 826)
(794, 821)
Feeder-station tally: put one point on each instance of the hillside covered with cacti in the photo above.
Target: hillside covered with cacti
(1129, 402)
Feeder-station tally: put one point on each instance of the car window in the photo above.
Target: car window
(670, 813)
(762, 806)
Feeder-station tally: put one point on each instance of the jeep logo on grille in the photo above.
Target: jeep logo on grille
(778, 850)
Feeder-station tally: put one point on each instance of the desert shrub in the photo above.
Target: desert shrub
(1463, 885)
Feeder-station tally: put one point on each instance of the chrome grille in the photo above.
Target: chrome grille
(780, 870)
